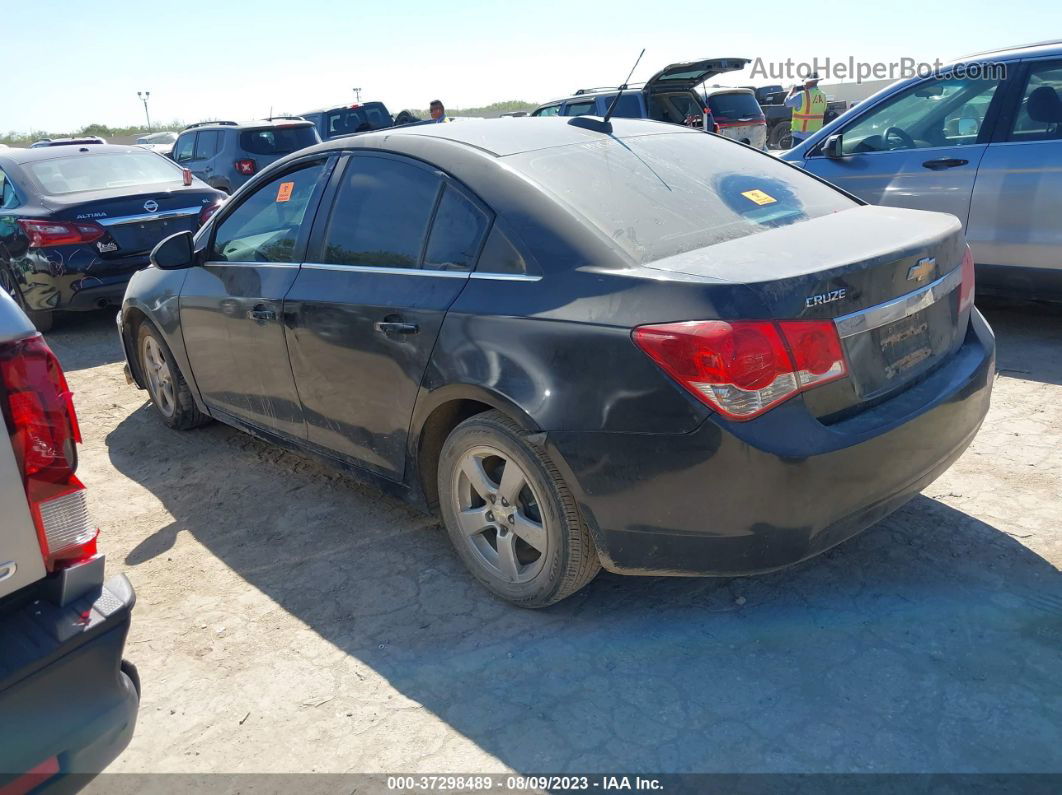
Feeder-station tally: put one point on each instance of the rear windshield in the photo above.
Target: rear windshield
(61, 175)
(278, 140)
(660, 195)
(734, 106)
(351, 120)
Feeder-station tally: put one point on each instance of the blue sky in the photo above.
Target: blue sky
(84, 62)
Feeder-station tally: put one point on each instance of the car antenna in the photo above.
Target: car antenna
(623, 87)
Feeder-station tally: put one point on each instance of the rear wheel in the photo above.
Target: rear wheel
(510, 516)
(168, 390)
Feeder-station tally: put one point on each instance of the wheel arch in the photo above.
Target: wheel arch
(437, 413)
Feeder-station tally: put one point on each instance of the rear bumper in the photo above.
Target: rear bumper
(63, 693)
(45, 292)
(737, 498)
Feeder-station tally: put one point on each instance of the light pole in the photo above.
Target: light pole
(143, 96)
(357, 95)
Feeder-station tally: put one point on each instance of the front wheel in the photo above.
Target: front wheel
(510, 515)
(168, 390)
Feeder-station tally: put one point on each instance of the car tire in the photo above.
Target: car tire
(164, 382)
(518, 531)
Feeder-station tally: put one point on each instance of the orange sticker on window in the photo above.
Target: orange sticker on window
(759, 197)
(284, 191)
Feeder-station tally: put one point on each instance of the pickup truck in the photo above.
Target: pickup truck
(68, 700)
(778, 116)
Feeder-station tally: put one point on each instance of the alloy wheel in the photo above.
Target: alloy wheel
(159, 376)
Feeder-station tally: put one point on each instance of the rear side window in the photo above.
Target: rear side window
(266, 226)
(499, 255)
(1040, 114)
(579, 108)
(8, 199)
(551, 110)
(381, 214)
(183, 149)
(456, 233)
(206, 145)
(82, 172)
(628, 106)
(278, 140)
(734, 106)
(656, 196)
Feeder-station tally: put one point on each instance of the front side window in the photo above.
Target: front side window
(184, 148)
(381, 213)
(456, 233)
(938, 112)
(265, 227)
(1039, 116)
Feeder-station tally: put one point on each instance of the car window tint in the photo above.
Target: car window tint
(579, 108)
(8, 199)
(182, 150)
(499, 255)
(456, 233)
(1039, 117)
(655, 196)
(279, 140)
(737, 105)
(206, 144)
(98, 170)
(940, 112)
(628, 106)
(380, 214)
(552, 110)
(265, 227)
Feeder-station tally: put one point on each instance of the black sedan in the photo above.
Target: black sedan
(77, 221)
(584, 344)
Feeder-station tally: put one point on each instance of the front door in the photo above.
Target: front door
(918, 149)
(381, 270)
(232, 306)
(1017, 204)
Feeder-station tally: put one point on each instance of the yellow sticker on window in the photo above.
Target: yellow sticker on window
(759, 197)
(285, 189)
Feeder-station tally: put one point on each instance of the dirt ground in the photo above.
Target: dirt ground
(290, 620)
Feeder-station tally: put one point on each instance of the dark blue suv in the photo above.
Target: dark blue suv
(348, 119)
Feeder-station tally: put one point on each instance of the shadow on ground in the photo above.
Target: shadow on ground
(929, 643)
(86, 339)
(1028, 338)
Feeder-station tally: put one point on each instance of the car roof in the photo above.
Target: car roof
(351, 106)
(1035, 48)
(278, 121)
(504, 137)
(23, 156)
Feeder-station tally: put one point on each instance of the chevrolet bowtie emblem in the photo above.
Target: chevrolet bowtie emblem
(921, 269)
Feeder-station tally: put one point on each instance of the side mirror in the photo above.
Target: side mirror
(174, 252)
(832, 147)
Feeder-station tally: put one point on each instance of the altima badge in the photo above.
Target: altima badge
(921, 269)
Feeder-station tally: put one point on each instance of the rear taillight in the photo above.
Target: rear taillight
(44, 433)
(246, 166)
(209, 210)
(744, 368)
(42, 234)
(966, 289)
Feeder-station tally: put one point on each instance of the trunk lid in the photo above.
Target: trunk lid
(888, 278)
(679, 76)
(134, 221)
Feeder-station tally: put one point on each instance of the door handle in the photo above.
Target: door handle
(944, 162)
(262, 313)
(394, 328)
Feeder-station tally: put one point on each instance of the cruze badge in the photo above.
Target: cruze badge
(825, 298)
(921, 269)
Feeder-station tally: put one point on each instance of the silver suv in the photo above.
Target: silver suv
(225, 154)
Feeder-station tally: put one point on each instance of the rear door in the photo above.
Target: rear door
(679, 76)
(383, 267)
(1017, 201)
(920, 148)
(232, 306)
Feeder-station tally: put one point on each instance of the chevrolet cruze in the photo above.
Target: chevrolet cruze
(583, 343)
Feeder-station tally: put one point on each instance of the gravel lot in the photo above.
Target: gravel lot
(291, 620)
